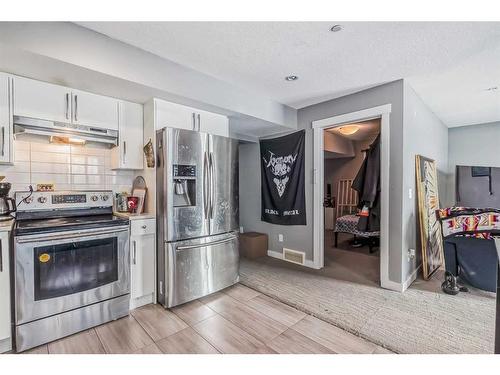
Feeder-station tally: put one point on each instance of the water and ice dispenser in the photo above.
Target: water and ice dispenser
(184, 181)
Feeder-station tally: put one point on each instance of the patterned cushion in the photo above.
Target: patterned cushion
(349, 224)
(469, 222)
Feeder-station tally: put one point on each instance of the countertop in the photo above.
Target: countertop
(142, 216)
(6, 225)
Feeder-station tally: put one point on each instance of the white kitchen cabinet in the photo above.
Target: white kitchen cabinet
(182, 117)
(5, 318)
(128, 154)
(142, 261)
(213, 123)
(174, 115)
(94, 110)
(5, 119)
(41, 100)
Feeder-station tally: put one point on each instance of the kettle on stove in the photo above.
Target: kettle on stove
(7, 204)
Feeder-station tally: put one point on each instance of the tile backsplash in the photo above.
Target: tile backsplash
(68, 167)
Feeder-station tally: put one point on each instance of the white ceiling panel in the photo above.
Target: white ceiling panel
(258, 56)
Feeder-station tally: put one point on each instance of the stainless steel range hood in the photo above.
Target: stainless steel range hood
(31, 126)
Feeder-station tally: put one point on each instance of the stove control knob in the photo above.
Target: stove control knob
(28, 200)
(42, 199)
(94, 198)
(104, 197)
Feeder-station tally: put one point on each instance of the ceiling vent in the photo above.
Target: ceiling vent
(294, 256)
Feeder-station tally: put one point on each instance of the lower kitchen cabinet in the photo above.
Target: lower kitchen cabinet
(5, 318)
(142, 261)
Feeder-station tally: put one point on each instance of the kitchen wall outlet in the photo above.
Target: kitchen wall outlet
(241, 230)
(410, 193)
(280, 237)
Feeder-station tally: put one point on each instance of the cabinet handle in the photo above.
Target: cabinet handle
(134, 254)
(194, 121)
(124, 151)
(76, 107)
(67, 106)
(1, 256)
(3, 140)
(199, 122)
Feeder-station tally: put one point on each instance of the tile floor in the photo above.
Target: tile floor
(236, 320)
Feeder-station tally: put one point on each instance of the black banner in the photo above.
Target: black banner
(282, 171)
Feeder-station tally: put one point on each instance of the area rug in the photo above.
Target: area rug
(416, 321)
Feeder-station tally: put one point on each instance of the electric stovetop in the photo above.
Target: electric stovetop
(32, 226)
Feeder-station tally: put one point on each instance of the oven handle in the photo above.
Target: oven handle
(69, 236)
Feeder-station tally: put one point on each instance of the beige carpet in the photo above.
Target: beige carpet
(417, 321)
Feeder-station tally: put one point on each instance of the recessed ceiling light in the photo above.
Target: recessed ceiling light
(348, 129)
(291, 78)
(336, 28)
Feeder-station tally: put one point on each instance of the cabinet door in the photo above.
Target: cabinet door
(41, 100)
(142, 276)
(213, 123)
(5, 120)
(94, 110)
(4, 287)
(174, 116)
(128, 154)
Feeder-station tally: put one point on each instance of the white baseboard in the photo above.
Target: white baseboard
(5, 345)
(141, 301)
(411, 278)
(401, 287)
(276, 254)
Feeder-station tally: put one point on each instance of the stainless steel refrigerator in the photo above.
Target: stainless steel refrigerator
(198, 214)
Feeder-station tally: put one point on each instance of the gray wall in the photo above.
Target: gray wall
(426, 135)
(301, 237)
(475, 145)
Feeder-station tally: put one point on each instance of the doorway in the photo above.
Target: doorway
(381, 114)
(351, 170)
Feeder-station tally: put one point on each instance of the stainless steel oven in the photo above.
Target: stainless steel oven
(58, 272)
(70, 274)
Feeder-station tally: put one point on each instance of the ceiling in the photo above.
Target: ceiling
(367, 130)
(438, 58)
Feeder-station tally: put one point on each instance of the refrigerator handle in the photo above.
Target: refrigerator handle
(205, 184)
(212, 185)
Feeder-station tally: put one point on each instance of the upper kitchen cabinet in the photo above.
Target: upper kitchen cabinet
(128, 154)
(41, 100)
(179, 116)
(95, 110)
(213, 123)
(174, 115)
(5, 119)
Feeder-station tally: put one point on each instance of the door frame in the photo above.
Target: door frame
(383, 112)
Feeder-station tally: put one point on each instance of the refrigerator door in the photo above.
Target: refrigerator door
(198, 267)
(224, 199)
(182, 184)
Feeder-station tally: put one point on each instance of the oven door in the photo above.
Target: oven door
(57, 272)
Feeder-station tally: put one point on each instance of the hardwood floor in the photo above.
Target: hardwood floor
(235, 320)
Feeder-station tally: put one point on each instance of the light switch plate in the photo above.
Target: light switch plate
(280, 237)
(410, 193)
